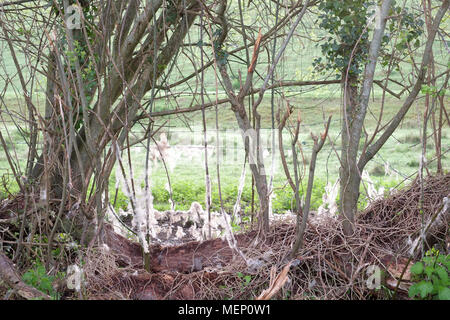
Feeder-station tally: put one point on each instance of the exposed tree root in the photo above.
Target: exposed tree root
(10, 276)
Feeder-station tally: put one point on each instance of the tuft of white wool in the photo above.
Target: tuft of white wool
(389, 171)
(167, 232)
(143, 221)
(372, 193)
(169, 190)
(254, 265)
(195, 232)
(172, 204)
(266, 153)
(74, 282)
(140, 226)
(72, 245)
(118, 175)
(329, 205)
(197, 213)
(173, 155)
(43, 194)
(230, 237)
(217, 225)
(111, 218)
(287, 216)
(157, 229)
(174, 217)
(180, 233)
(160, 151)
(157, 215)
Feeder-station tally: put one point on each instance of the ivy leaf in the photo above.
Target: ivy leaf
(417, 43)
(417, 268)
(217, 33)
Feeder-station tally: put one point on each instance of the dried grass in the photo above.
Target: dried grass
(103, 278)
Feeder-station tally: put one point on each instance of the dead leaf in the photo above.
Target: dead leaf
(396, 269)
(392, 284)
(275, 284)
(255, 52)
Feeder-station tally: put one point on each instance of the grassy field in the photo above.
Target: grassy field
(186, 168)
(185, 164)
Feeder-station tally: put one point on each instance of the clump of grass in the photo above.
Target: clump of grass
(413, 164)
(8, 145)
(377, 170)
(412, 139)
(285, 199)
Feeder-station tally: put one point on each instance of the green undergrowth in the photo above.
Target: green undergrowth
(187, 191)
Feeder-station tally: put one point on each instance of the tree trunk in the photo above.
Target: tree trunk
(355, 109)
(252, 145)
(117, 108)
(349, 175)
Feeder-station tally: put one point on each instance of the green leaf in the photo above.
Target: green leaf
(446, 264)
(429, 271)
(46, 285)
(425, 288)
(413, 290)
(27, 277)
(417, 268)
(442, 273)
(428, 260)
(41, 270)
(417, 43)
(444, 293)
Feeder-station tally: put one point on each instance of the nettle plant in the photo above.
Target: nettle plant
(431, 276)
(38, 278)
